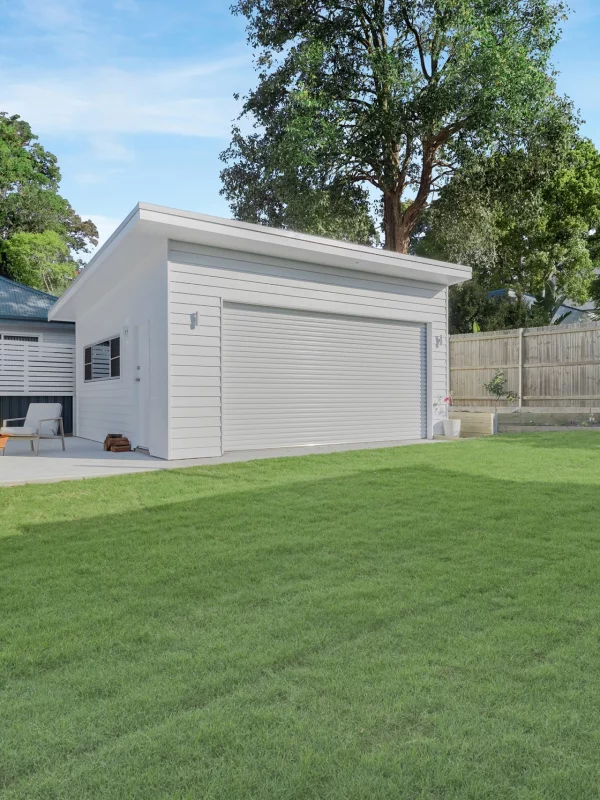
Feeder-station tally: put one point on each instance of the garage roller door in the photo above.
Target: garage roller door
(294, 378)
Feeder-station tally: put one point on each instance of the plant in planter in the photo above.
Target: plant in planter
(451, 426)
(497, 388)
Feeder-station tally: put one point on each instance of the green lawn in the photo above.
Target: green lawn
(421, 622)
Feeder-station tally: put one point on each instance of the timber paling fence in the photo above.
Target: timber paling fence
(557, 366)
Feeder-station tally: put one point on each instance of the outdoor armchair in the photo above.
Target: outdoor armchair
(43, 421)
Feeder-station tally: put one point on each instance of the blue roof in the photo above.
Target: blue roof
(22, 302)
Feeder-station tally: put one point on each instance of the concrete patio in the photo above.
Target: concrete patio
(86, 459)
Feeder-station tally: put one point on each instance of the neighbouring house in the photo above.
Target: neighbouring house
(197, 335)
(571, 312)
(37, 357)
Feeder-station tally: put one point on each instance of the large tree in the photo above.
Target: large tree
(524, 218)
(41, 237)
(391, 94)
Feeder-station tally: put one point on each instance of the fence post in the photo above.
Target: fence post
(521, 382)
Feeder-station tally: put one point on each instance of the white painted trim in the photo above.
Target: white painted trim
(324, 307)
(448, 366)
(221, 369)
(429, 379)
(169, 336)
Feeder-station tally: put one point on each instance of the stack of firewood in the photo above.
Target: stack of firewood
(117, 443)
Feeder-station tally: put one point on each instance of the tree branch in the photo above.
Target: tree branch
(448, 131)
(405, 165)
(415, 33)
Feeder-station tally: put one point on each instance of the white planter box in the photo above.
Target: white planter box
(475, 423)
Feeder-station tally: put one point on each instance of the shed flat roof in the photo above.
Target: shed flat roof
(169, 223)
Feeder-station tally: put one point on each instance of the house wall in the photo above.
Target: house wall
(37, 372)
(41, 367)
(137, 296)
(202, 278)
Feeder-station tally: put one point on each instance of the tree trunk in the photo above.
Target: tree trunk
(397, 234)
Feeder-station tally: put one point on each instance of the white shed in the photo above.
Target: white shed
(198, 335)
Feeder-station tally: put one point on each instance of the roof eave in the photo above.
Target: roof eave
(33, 320)
(188, 226)
(261, 240)
(94, 263)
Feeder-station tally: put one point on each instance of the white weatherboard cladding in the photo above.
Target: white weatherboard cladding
(138, 298)
(202, 279)
(293, 378)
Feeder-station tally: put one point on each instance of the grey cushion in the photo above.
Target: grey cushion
(38, 411)
(19, 430)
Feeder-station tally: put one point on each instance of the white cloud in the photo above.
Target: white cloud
(109, 148)
(186, 99)
(53, 14)
(90, 178)
(63, 25)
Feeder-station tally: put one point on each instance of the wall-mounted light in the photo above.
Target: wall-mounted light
(194, 320)
(440, 341)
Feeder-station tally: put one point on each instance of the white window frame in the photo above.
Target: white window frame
(108, 339)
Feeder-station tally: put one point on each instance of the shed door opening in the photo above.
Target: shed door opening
(295, 378)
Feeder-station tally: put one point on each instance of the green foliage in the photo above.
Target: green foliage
(524, 218)
(395, 95)
(547, 304)
(595, 296)
(47, 229)
(497, 388)
(268, 193)
(471, 310)
(41, 260)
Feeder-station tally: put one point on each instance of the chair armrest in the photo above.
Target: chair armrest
(13, 419)
(50, 419)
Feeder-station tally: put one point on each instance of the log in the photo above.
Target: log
(107, 441)
(119, 442)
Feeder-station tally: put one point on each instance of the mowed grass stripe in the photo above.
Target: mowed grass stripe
(416, 622)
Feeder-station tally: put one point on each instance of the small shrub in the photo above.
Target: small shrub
(497, 388)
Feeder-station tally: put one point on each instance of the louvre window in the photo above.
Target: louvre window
(102, 360)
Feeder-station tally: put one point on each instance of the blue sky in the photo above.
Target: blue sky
(135, 96)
